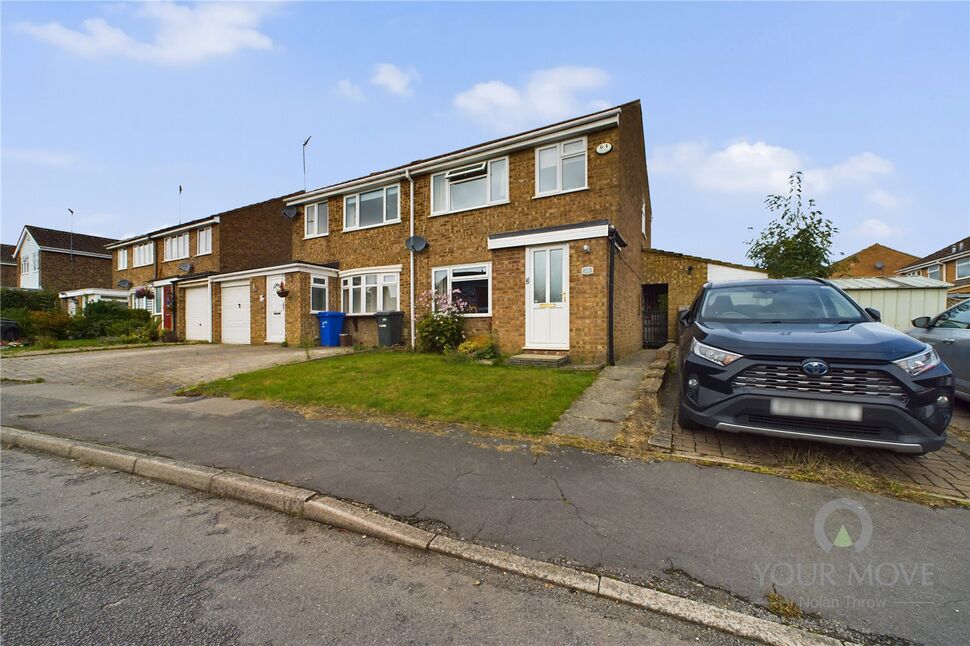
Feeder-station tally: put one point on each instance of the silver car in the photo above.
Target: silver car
(949, 334)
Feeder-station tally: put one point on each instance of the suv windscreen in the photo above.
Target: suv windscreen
(780, 303)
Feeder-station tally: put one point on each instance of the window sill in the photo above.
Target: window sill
(174, 259)
(372, 226)
(317, 235)
(207, 253)
(147, 264)
(474, 208)
(572, 190)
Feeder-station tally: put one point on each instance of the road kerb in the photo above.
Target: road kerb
(344, 515)
(314, 506)
(177, 473)
(265, 493)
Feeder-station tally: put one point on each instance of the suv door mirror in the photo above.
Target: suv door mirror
(874, 313)
(683, 318)
(921, 321)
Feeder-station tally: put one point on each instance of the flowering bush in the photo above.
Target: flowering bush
(480, 346)
(144, 292)
(440, 328)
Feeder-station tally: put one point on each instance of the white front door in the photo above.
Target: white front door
(235, 314)
(198, 314)
(547, 297)
(275, 311)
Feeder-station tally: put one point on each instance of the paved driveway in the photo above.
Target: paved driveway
(161, 369)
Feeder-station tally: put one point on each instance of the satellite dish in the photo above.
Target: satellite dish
(289, 212)
(416, 244)
(185, 266)
(880, 264)
(124, 284)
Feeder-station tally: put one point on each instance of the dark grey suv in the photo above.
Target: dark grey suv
(949, 334)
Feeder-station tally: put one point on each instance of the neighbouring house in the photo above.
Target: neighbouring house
(899, 299)
(157, 269)
(951, 264)
(672, 280)
(874, 260)
(9, 276)
(540, 232)
(62, 260)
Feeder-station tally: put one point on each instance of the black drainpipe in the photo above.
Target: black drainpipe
(614, 240)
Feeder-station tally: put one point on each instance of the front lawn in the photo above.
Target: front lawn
(427, 386)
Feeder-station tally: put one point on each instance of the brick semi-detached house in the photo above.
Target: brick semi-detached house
(541, 232)
(61, 260)
(153, 268)
(951, 264)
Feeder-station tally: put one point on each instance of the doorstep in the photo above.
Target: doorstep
(538, 360)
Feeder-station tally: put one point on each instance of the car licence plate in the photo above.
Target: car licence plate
(816, 410)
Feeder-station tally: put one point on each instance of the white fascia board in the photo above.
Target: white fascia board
(128, 242)
(277, 269)
(597, 121)
(549, 237)
(187, 227)
(940, 261)
(95, 291)
(20, 241)
(383, 269)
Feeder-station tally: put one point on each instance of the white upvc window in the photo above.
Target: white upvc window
(963, 268)
(470, 187)
(933, 272)
(36, 261)
(318, 293)
(140, 303)
(156, 302)
(143, 254)
(372, 208)
(203, 241)
(561, 167)
(471, 283)
(25, 265)
(122, 259)
(370, 293)
(316, 220)
(177, 246)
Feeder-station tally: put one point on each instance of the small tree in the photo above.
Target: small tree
(796, 243)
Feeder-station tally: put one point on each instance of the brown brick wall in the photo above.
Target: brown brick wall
(863, 263)
(682, 287)
(9, 276)
(949, 274)
(255, 236)
(257, 311)
(60, 271)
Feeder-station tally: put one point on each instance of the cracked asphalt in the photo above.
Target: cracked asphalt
(91, 557)
(716, 534)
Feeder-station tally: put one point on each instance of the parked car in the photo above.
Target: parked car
(799, 359)
(949, 333)
(10, 330)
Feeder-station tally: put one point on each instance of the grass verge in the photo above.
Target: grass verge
(67, 344)
(524, 400)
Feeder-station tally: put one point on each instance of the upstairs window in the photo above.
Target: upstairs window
(963, 268)
(122, 259)
(316, 220)
(470, 187)
(471, 283)
(177, 247)
(25, 265)
(561, 167)
(372, 209)
(203, 244)
(143, 254)
(369, 293)
(933, 272)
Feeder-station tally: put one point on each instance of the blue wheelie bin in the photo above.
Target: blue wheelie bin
(331, 325)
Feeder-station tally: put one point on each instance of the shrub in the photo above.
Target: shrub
(481, 346)
(440, 328)
(109, 318)
(21, 315)
(55, 324)
(29, 299)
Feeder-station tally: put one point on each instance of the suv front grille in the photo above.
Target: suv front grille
(838, 381)
(814, 425)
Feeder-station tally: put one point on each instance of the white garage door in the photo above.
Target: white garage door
(198, 314)
(235, 314)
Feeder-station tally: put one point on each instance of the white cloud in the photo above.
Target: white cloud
(183, 34)
(548, 95)
(875, 229)
(40, 157)
(761, 168)
(393, 79)
(349, 90)
(884, 198)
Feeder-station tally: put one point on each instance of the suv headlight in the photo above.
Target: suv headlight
(919, 363)
(714, 355)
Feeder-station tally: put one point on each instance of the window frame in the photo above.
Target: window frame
(170, 245)
(25, 265)
(316, 218)
(204, 232)
(326, 292)
(464, 174)
(347, 287)
(471, 265)
(356, 198)
(939, 271)
(956, 268)
(123, 259)
(150, 259)
(156, 309)
(559, 146)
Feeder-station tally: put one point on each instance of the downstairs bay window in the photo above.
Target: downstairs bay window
(470, 187)
(370, 293)
(471, 283)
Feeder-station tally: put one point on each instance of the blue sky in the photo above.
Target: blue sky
(107, 108)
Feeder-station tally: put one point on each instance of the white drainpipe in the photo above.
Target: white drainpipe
(407, 173)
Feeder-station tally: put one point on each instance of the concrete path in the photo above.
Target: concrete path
(685, 528)
(598, 413)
